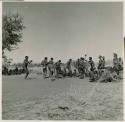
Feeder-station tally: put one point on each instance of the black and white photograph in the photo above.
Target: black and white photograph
(62, 61)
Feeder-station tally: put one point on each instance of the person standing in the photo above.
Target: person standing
(120, 63)
(26, 63)
(69, 67)
(51, 68)
(92, 69)
(44, 63)
(92, 64)
(103, 58)
(78, 65)
(100, 66)
(82, 67)
(116, 64)
(58, 67)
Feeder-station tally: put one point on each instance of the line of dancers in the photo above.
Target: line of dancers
(80, 68)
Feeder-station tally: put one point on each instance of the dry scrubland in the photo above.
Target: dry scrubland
(62, 99)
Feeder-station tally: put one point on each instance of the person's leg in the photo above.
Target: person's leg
(91, 75)
(57, 71)
(52, 73)
(81, 73)
(84, 72)
(116, 69)
(117, 72)
(27, 73)
(49, 72)
(44, 72)
(70, 69)
(79, 70)
(99, 72)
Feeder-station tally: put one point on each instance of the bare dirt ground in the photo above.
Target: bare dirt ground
(62, 99)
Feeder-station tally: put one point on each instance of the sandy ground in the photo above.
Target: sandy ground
(62, 99)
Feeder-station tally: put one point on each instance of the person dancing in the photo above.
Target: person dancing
(26, 63)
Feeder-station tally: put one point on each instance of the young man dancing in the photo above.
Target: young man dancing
(26, 63)
(58, 68)
(69, 67)
(51, 68)
(44, 64)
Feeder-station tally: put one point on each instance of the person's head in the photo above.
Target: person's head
(90, 58)
(82, 58)
(60, 61)
(51, 59)
(120, 59)
(26, 57)
(70, 60)
(115, 55)
(100, 57)
(45, 58)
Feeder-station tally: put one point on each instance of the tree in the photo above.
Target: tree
(12, 26)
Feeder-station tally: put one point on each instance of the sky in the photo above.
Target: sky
(68, 30)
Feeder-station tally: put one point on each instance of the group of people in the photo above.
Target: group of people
(80, 68)
(15, 71)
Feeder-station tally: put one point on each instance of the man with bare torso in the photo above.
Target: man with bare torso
(26, 63)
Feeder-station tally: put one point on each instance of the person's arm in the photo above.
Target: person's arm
(56, 63)
(47, 63)
(86, 60)
(30, 61)
(42, 63)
